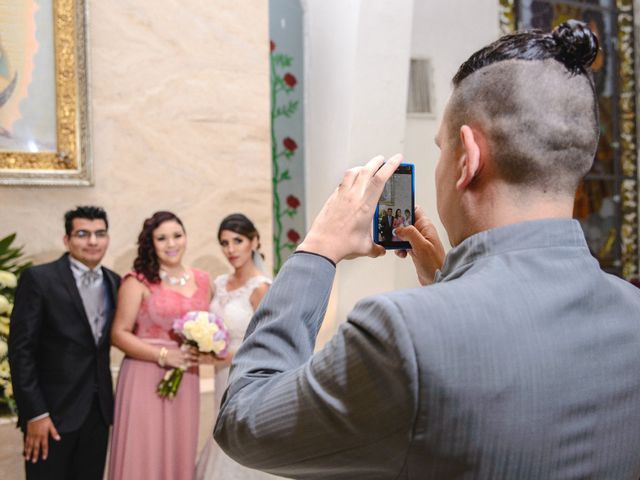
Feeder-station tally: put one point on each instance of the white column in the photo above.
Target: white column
(356, 77)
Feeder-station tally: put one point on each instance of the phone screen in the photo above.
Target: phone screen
(395, 208)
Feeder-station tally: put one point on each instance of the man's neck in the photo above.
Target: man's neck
(90, 266)
(500, 211)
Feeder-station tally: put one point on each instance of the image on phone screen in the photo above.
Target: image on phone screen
(395, 208)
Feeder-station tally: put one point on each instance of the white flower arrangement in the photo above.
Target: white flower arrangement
(199, 329)
(5, 305)
(8, 280)
(10, 267)
(203, 332)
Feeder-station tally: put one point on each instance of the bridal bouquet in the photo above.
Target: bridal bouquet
(202, 330)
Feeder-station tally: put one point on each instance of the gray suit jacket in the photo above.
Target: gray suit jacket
(521, 362)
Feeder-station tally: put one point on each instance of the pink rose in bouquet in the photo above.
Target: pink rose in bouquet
(202, 330)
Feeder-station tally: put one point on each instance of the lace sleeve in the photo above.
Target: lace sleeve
(254, 282)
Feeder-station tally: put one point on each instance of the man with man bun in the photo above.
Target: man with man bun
(518, 356)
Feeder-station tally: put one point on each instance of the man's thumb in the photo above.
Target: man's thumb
(410, 234)
(54, 432)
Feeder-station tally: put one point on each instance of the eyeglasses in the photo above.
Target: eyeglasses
(84, 234)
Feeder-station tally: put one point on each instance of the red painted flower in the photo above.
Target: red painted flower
(293, 236)
(273, 45)
(290, 80)
(290, 144)
(293, 201)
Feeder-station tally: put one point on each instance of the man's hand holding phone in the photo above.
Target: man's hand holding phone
(426, 251)
(343, 227)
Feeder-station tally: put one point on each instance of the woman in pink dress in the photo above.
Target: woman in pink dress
(153, 437)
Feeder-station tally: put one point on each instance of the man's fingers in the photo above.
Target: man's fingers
(35, 451)
(390, 166)
(349, 178)
(412, 235)
(401, 253)
(371, 167)
(420, 219)
(426, 227)
(54, 433)
(367, 171)
(377, 251)
(28, 447)
(45, 449)
(375, 185)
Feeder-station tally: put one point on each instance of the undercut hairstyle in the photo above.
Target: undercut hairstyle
(146, 263)
(532, 95)
(86, 212)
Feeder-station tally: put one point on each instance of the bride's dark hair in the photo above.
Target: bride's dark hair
(239, 223)
(146, 262)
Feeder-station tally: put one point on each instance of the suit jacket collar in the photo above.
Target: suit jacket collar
(110, 281)
(519, 236)
(68, 280)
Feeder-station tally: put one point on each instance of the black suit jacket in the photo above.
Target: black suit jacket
(56, 366)
(387, 228)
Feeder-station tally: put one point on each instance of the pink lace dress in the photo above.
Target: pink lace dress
(152, 437)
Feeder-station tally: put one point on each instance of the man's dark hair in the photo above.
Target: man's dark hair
(87, 212)
(532, 95)
(572, 44)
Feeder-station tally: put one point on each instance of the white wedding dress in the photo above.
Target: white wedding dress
(235, 309)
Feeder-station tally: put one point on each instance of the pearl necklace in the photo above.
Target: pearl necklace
(173, 281)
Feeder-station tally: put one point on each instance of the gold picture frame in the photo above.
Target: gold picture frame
(70, 162)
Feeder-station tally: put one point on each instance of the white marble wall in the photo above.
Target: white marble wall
(179, 93)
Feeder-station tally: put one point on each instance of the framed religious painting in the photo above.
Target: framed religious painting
(606, 203)
(44, 137)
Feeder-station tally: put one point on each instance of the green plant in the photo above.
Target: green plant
(11, 265)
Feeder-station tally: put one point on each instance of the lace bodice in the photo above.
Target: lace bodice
(234, 307)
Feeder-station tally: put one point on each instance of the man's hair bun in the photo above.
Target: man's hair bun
(577, 45)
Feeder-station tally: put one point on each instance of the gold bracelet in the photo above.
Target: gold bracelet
(162, 357)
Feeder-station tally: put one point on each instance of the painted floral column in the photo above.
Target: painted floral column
(287, 128)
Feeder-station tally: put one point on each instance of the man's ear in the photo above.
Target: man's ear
(471, 159)
(65, 240)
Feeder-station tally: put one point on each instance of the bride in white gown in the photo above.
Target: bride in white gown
(236, 296)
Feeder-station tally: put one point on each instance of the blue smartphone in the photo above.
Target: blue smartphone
(395, 208)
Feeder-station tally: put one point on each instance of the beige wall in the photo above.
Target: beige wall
(179, 93)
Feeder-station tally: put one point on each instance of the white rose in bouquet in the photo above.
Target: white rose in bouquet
(5, 306)
(8, 279)
(201, 330)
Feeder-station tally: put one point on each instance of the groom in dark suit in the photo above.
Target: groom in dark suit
(387, 226)
(59, 354)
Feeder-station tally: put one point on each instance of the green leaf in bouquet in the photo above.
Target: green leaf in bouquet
(7, 241)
